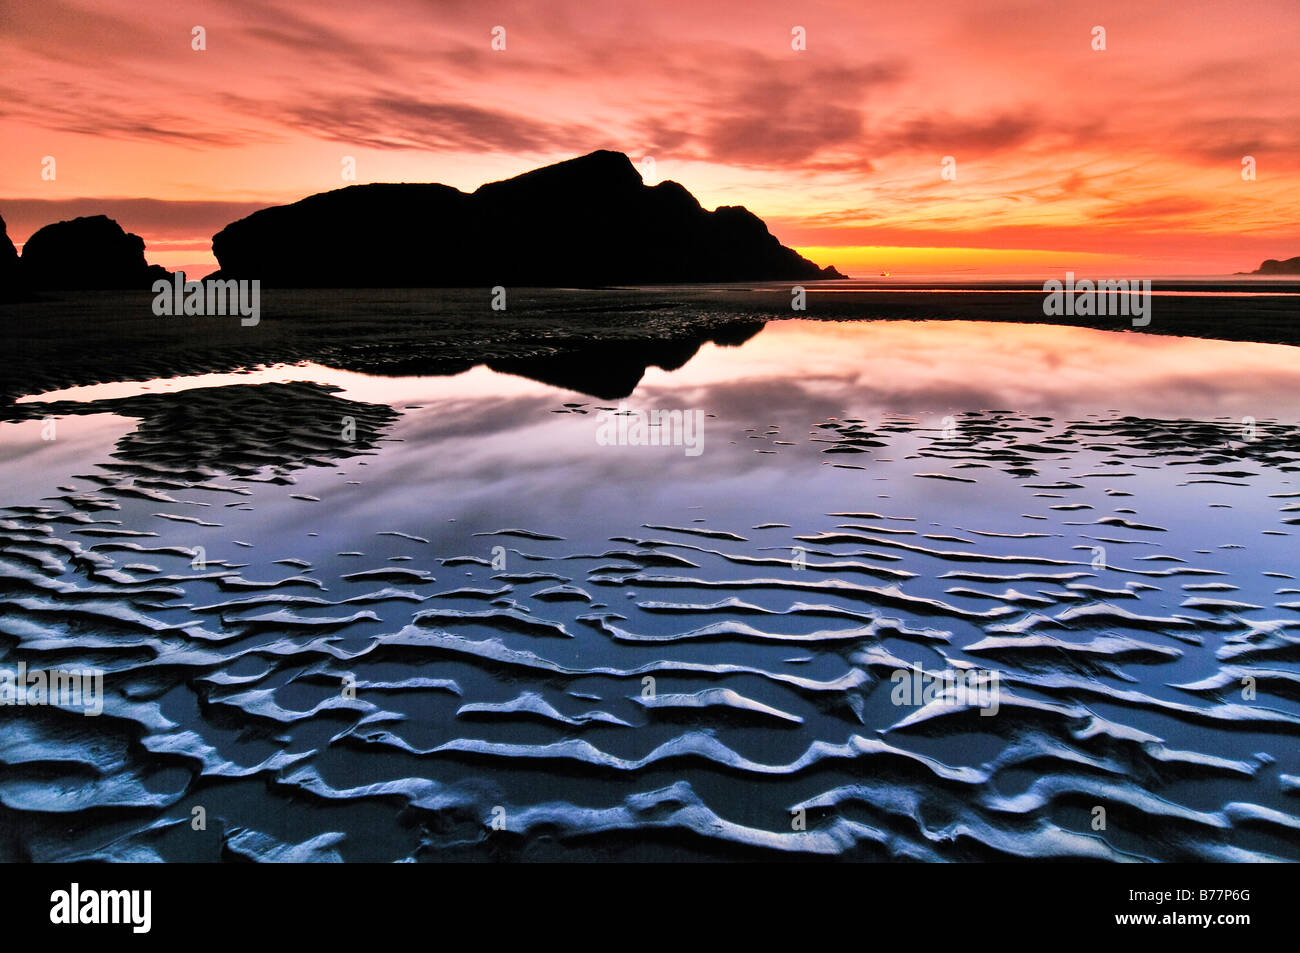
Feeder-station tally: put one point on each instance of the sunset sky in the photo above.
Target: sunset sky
(1123, 161)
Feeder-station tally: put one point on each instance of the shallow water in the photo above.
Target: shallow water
(467, 628)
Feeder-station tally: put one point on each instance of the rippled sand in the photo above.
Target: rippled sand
(467, 630)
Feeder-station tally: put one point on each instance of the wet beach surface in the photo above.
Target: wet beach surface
(55, 341)
(428, 634)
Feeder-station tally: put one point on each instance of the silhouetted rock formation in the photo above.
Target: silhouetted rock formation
(1274, 267)
(9, 283)
(588, 221)
(87, 252)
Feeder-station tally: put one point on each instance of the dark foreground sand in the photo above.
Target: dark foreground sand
(56, 341)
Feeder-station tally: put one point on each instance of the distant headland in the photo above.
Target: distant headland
(1272, 266)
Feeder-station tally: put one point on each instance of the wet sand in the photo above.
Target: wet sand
(362, 641)
(57, 341)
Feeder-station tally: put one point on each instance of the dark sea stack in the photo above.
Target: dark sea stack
(586, 222)
(9, 263)
(92, 252)
(1274, 267)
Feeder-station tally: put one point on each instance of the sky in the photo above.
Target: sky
(1119, 161)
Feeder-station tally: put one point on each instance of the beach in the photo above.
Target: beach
(387, 577)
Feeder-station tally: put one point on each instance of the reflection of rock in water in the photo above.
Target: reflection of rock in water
(192, 434)
(610, 370)
(98, 337)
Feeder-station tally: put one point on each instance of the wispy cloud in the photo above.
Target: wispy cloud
(840, 140)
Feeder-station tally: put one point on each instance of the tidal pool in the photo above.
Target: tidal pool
(379, 618)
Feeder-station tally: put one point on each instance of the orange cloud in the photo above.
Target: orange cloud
(1133, 152)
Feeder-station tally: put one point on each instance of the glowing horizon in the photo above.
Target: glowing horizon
(1128, 158)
